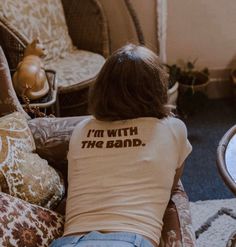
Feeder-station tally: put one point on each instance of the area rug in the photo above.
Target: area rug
(213, 221)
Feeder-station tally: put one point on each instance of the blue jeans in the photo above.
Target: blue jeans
(97, 239)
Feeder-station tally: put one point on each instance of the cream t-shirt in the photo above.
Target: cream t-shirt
(121, 174)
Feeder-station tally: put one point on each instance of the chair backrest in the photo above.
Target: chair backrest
(226, 158)
(43, 19)
(88, 25)
(12, 42)
(8, 99)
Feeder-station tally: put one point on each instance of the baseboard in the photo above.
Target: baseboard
(220, 85)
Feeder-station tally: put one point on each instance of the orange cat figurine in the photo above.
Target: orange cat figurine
(30, 79)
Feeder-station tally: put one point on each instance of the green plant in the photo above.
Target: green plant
(191, 99)
(187, 74)
(174, 72)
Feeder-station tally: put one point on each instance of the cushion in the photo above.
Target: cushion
(76, 67)
(43, 19)
(8, 99)
(23, 173)
(25, 224)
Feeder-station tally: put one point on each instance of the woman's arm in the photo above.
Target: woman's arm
(178, 174)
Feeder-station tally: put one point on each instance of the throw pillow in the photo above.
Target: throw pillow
(25, 224)
(43, 19)
(24, 174)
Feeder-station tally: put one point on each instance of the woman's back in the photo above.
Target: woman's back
(121, 174)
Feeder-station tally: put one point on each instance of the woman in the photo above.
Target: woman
(125, 159)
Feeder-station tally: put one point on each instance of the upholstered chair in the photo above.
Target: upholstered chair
(51, 137)
(74, 34)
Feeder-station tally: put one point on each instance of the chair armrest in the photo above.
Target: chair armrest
(177, 229)
(87, 25)
(13, 43)
(52, 136)
(8, 98)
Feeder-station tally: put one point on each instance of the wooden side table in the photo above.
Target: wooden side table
(48, 104)
(226, 158)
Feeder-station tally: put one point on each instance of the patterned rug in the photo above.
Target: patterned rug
(214, 221)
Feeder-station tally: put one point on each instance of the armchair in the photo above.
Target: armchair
(75, 34)
(51, 136)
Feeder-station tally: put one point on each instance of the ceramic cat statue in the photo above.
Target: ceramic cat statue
(30, 79)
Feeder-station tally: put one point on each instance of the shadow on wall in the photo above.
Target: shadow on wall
(232, 63)
(122, 28)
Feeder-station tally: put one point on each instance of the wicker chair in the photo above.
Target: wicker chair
(225, 161)
(88, 30)
(226, 158)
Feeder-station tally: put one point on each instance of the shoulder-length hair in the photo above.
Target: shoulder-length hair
(131, 84)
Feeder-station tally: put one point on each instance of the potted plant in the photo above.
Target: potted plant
(173, 86)
(191, 78)
(192, 85)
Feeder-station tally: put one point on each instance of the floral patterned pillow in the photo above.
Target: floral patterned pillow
(42, 19)
(24, 174)
(28, 225)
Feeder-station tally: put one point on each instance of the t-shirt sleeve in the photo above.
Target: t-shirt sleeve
(184, 147)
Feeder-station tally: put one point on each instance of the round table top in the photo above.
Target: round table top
(230, 157)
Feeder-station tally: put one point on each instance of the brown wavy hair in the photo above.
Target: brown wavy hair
(131, 84)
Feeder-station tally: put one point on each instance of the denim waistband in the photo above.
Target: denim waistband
(129, 237)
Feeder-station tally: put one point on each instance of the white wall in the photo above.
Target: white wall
(203, 29)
